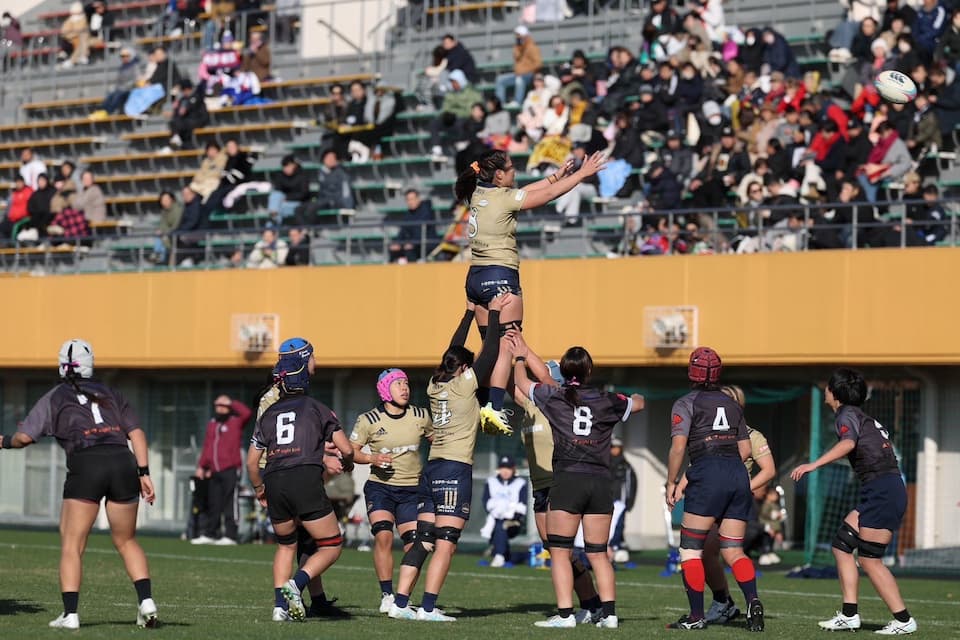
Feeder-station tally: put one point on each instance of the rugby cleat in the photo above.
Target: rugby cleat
(722, 613)
(556, 622)
(66, 621)
(294, 601)
(386, 602)
(495, 422)
(897, 628)
(841, 622)
(280, 615)
(147, 614)
(586, 616)
(755, 616)
(687, 624)
(433, 616)
(608, 622)
(402, 613)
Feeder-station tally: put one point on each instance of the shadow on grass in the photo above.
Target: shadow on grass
(13, 607)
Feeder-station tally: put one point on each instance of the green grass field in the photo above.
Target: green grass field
(225, 592)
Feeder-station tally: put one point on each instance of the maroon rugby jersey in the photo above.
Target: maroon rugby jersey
(293, 432)
(712, 421)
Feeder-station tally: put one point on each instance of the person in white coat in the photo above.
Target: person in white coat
(505, 498)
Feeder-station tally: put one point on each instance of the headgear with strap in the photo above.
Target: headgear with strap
(291, 370)
(387, 378)
(705, 366)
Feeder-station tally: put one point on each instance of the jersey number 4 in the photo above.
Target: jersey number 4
(720, 421)
(285, 427)
(582, 421)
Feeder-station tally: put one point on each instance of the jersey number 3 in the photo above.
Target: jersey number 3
(720, 422)
(582, 421)
(285, 427)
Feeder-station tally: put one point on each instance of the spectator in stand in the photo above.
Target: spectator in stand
(677, 157)
(689, 91)
(577, 74)
(189, 113)
(663, 188)
(710, 13)
(417, 236)
(38, 206)
(535, 106)
(10, 32)
(496, 125)
(31, 167)
(193, 218)
(217, 64)
(458, 58)
(866, 98)
(457, 105)
(724, 171)
(467, 139)
(220, 463)
(568, 205)
(948, 49)
(90, 199)
(894, 11)
(889, 159)
(335, 111)
(652, 114)
(945, 97)
(298, 248)
(623, 82)
(237, 171)
(662, 20)
(354, 119)
(257, 58)
(270, 251)
(380, 112)
(778, 55)
(100, 21)
(67, 172)
(860, 48)
(526, 62)
(930, 218)
(334, 190)
(16, 207)
(74, 38)
(240, 87)
(291, 189)
(751, 53)
(171, 212)
(924, 133)
(125, 83)
(554, 146)
(932, 21)
(68, 222)
(433, 83)
(152, 85)
(207, 179)
(505, 500)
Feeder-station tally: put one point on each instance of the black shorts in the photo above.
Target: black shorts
(106, 471)
(719, 487)
(487, 282)
(297, 493)
(402, 502)
(883, 501)
(446, 488)
(581, 493)
(541, 500)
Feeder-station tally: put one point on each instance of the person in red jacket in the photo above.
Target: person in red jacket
(220, 464)
(16, 207)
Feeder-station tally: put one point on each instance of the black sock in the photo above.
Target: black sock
(849, 609)
(278, 600)
(609, 608)
(590, 604)
(386, 587)
(566, 612)
(318, 601)
(722, 596)
(70, 601)
(902, 616)
(143, 589)
(496, 397)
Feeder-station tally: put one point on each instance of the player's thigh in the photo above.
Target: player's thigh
(323, 527)
(697, 522)
(731, 528)
(514, 311)
(563, 523)
(880, 536)
(541, 521)
(596, 527)
(122, 517)
(481, 315)
(449, 521)
(76, 520)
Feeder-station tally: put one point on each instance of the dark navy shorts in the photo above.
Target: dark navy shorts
(883, 501)
(402, 502)
(487, 282)
(541, 500)
(448, 486)
(719, 487)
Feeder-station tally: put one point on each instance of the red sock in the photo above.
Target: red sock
(746, 577)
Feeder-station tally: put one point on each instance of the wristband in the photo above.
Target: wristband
(8, 442)
(143, 471)
(519, 359)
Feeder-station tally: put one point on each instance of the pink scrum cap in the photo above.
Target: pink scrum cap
(385, 379)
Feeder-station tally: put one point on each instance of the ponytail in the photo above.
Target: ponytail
(453, 358)
(482, 170)
(576, 365)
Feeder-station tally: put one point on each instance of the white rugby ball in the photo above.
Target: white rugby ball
(895, 87)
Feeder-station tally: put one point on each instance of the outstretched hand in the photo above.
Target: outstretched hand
(594, 164)
(565, 169)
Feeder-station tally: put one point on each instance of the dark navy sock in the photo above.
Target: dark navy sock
(429, 601)
(401, 600)
(143, 589)
(71, 599)
(386, 587)
(302, 579)
(278, 600)
(496, 397)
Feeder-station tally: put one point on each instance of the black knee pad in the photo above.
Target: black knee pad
(426, 532)
(450, 534)
(591, 547)
(560, 542)
(875, 550)
(846, 540)
(693, 539)
(578, 567)
(408, 537)
(381, 525)
(287, 539)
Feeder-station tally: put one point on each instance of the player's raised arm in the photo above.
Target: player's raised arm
(540, 197)
(463, 329)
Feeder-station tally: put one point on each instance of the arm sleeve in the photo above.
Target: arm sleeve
(681, 417)
(847, 427)
(39, 422)
(491, 348)
(515, 200)
(743, 433)
(463, 329)
(427, 427)
(759, 447)
(129, 420)
(257, 440)
(332, 424)
(358, 435)
(622, 406)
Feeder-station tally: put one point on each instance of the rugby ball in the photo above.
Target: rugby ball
(895, 87)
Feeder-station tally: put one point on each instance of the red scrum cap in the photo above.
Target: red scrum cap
(705, 366)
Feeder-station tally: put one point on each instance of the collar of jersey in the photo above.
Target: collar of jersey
(486, 185)
(383, 409)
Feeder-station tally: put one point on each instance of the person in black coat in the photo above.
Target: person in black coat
(414, 240)
(664, 188)
(189, 113)
(751, 53)
(778, 54)
(946, 101)
(459, 58)
(652, 114)
(38, 206)
(238, 170)
(893, 11)
(298, 248)
(290, 188)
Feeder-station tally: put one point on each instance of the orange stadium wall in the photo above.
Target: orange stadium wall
(877, 306)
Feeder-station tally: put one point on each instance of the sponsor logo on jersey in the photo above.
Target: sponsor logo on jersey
(381, 432)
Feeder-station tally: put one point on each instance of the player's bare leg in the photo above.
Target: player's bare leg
(326, 533)
(283, 557)
(596, 529)
(383, 555)
(582, 580)
(731, 548)
(413, 559)
(447, 530)
(76, 520)
(561, 531)
(874, 542)
(723, 609)
(123, 528)
(492, 417)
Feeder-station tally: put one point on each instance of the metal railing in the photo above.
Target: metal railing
(802, 227)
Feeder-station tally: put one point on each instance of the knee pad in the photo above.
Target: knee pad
(578, 567)
(424, 537)
(727, 542)
(381, 525)
(846, 539)
(515, 324)
(330, 542)
(450, 534)
(874, 550)
(560, 542)
(287, 539)
(591, 547)
(693, 539)
(408, 537)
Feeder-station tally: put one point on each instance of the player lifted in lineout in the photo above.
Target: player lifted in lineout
(869, 528)
(708, 425)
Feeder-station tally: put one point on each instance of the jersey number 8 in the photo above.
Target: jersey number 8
(582, 421)
(285, 427)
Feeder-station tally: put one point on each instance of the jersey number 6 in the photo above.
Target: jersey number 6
(285, 427)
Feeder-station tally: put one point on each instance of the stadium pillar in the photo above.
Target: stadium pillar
(927, 458)
(814, 506)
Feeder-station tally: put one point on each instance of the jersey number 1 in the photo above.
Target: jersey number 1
(582, 421)
(720, 422)
(94, 409)
(285, 427)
